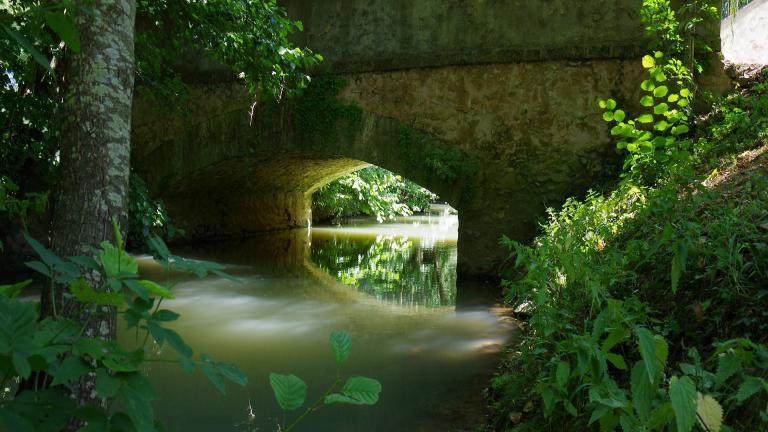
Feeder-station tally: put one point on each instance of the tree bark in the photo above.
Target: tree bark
(95, 149)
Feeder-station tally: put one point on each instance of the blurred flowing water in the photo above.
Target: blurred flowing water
(391, 286)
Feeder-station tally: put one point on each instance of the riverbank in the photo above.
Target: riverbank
(647, 301)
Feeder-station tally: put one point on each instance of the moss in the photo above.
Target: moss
(448, 163)
(317, 112)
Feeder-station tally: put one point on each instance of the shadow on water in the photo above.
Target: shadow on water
(392, 287)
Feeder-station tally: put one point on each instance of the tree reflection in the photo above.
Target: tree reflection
(391, 268)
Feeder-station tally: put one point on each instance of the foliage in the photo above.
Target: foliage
(147, 217)
(318, 110)
(656, 139)
(371, 191)
(291, 391)
(43, 358)
(250, 37)
(646, 305)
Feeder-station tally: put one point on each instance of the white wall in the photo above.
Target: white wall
(745, 35)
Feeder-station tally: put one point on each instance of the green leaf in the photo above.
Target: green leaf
(65, 27)
(49, 258)
(608, 116)
(30, 48)
(10, 421)
(645, 118)
(156, 289)
(659, 76)
(619, 115)
(116, 261)
(290, 391)
(137, 395)
(661, 125)
(647, 101)
(562, 373)
(727, 365)
(648, 85)
(679, 258)
(614, 337)
(660, 91)
(661, 108)
(106, 384)
(72, 367)
(341, 344)
(683, 395)
(610, 104)
(709, 413)
(21, 365)
(14, 290)
(647, 346)
(673, 98)
(643, 391)
(602, 103)
(616, 360)
(683, 103)
(357, 391)
(648, 62)
(749, 387)
(40, 268)
(165, 315)
(685, 92)
(680, 129)
(83, 291)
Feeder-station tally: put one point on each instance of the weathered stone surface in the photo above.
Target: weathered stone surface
(491, 104)
(376, 35)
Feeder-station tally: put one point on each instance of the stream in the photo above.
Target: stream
(391, 286)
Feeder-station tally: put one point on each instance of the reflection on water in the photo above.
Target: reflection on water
(411, 262)
(430, 360)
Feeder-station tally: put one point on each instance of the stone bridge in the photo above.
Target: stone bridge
(489, 103)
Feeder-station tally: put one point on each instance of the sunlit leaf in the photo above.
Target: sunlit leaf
(709, 413)
(290, 390)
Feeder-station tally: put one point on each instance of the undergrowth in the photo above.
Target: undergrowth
(647, 305)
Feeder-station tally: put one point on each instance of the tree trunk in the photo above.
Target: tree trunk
(95, 149)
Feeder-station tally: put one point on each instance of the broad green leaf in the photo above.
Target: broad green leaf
(659, 76)
(727, 365)
(616, 360)
(83, 291)
(683, 395)
(165, 315)
(648, 62)
(660, 91)
(106, 384)
(661, 125)
(608, 116)
(661, 416)
(213, 376)
(156, 289)
(158, 245)
(645, 118)
(680, 129)
(602, 103)
(21, 365)
(40, 268)
(749, 387)
(643, 391)
(685, 92)
(49, 258)
(661, 108)
(137, 395)
(341, 344)
(674, 97)
(72, 367)
(647, 101)
(619, 115)
(14, 289)
(648, 85)
(65, 27)
(116, 261)
(647, 346)
(709, 413)
(162, 334)
(683, 102)
(357, 391)
(562, 373)
(232, 373)
(614, 337)
(290, 391)
(610, 104)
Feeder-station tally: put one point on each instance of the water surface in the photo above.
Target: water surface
(391, 286)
